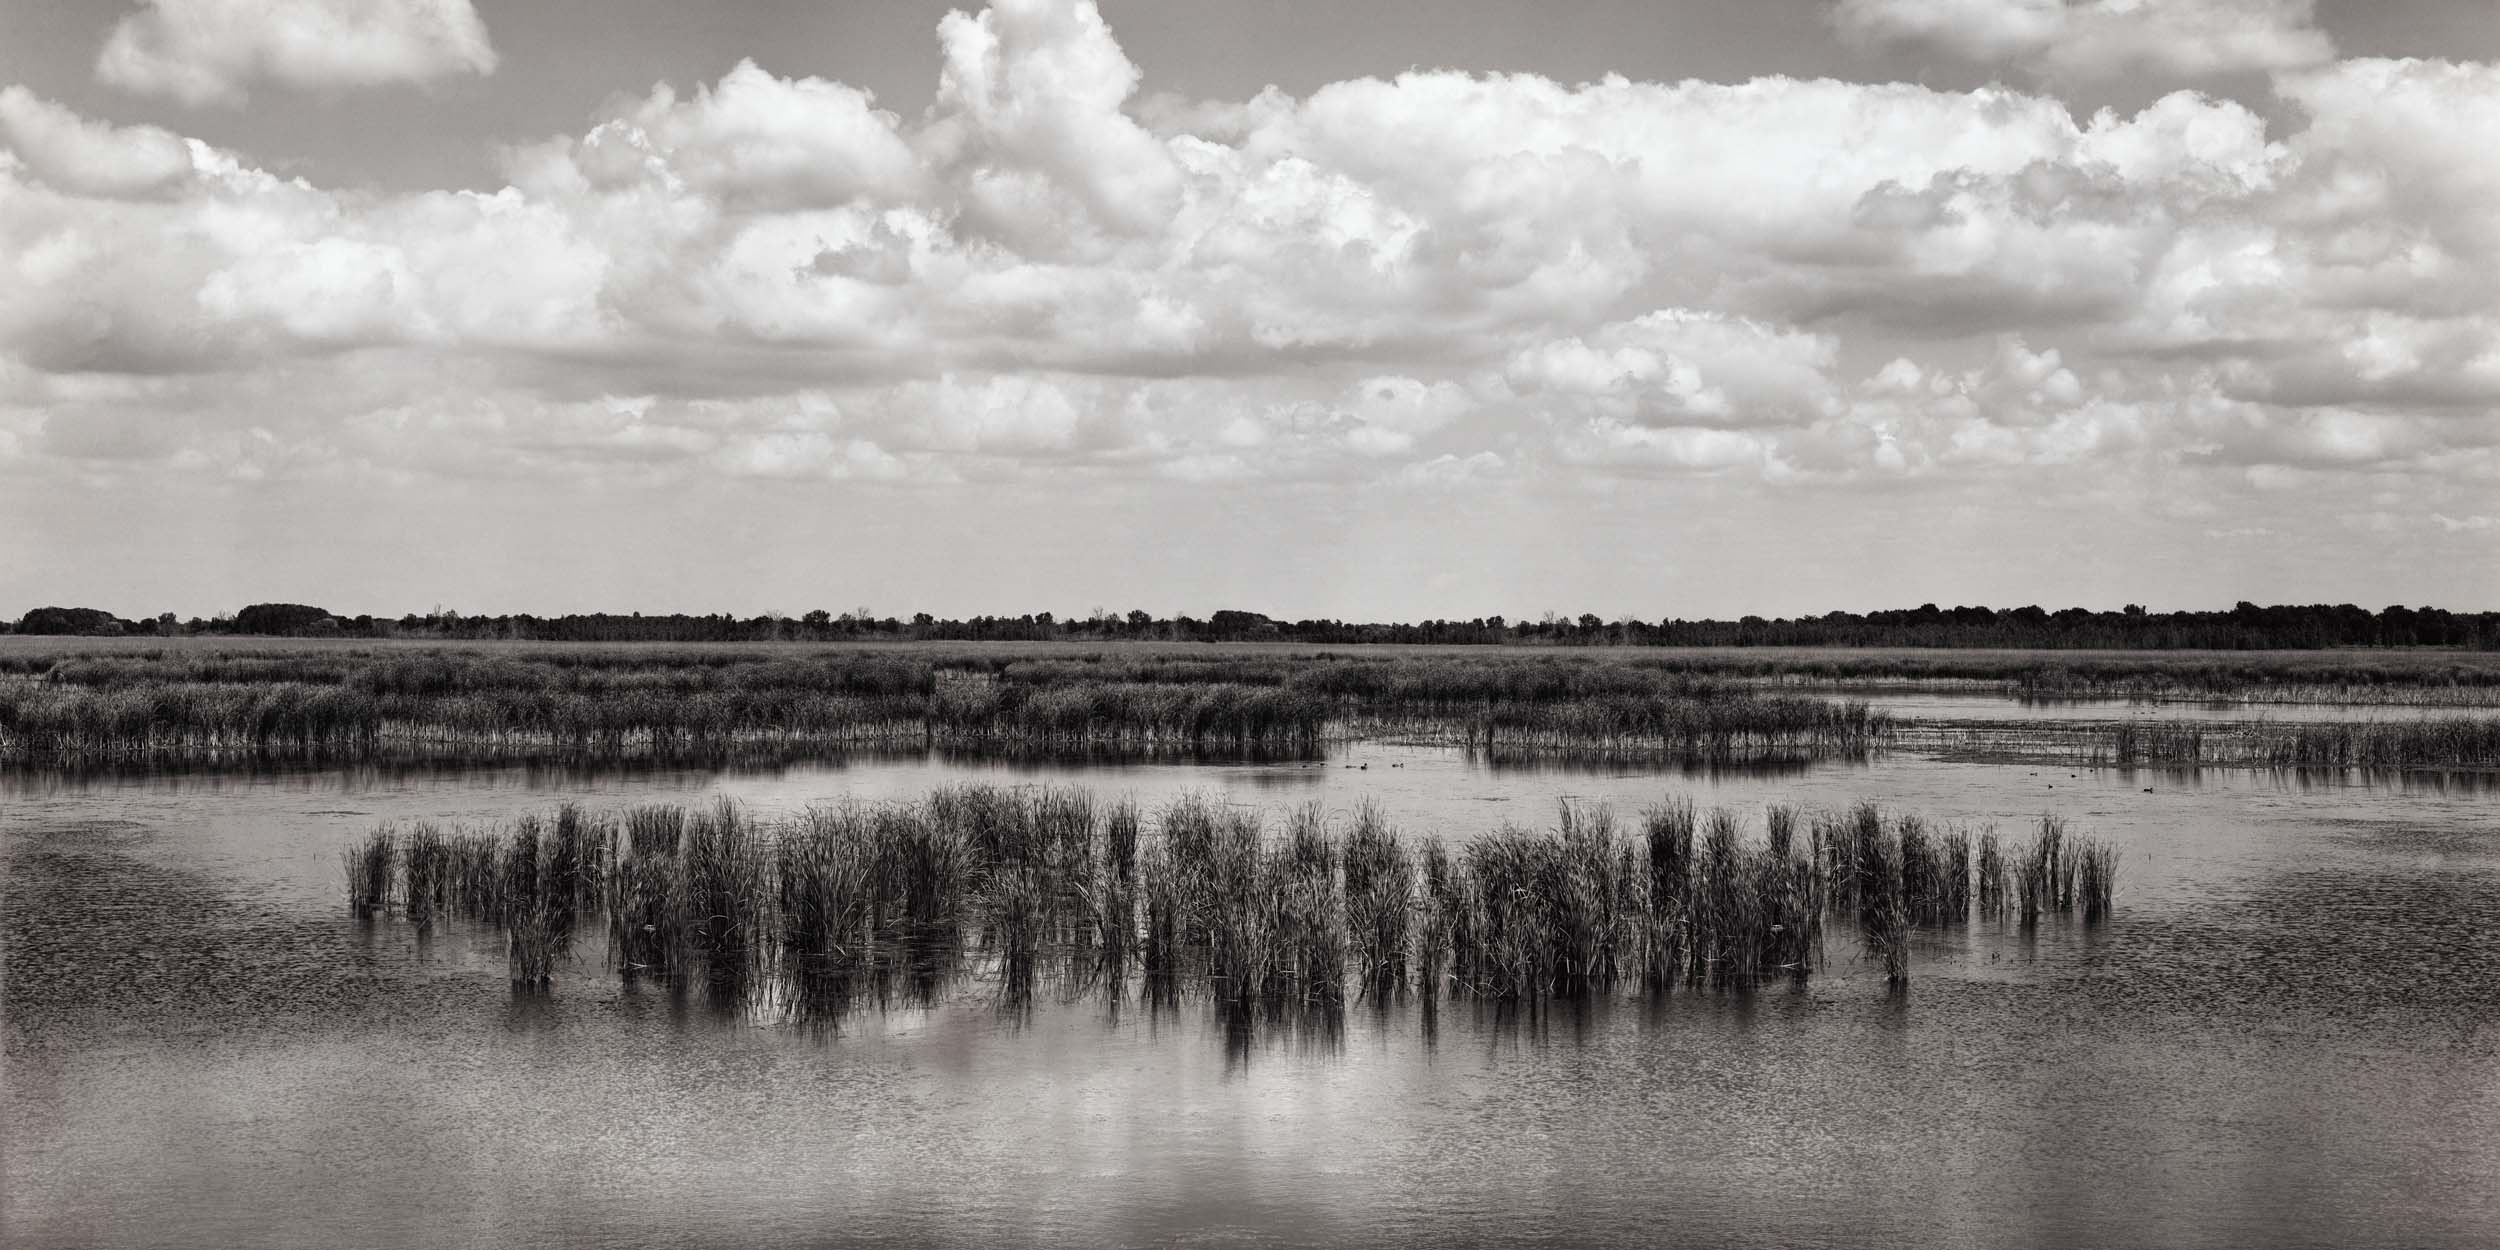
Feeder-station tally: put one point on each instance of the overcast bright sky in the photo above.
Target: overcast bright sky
(1386, 310)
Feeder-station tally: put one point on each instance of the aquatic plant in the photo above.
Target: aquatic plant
(1442, 920)
(855, 898)
(693, 703)
(2059, 873)
(2456, 742)
(1994, 885)
(1379, 900)
(2098, 879)
(1667, 928)
(427, 875)
(476, 877)
(369, 871)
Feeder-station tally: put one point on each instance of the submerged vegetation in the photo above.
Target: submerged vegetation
(858, 902)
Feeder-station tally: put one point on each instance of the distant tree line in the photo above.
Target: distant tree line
(2244, 627)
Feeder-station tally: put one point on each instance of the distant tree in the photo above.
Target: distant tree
(88, 622)
(281, 619)
(1229, 623)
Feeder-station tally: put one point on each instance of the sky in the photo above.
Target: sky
(1382, 311)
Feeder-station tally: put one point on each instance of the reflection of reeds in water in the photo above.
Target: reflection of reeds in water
(857, 902)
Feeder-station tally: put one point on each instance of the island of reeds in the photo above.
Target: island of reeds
(858, 903)
(629, 703)
(213, 705)
(2443, 743)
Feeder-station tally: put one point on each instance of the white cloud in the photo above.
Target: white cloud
(1683, 367)
(1451, 470)
(2101, 38)
(91, 158)
(1425, 278)
(1002, 414)
(212, 51)
(1029, 115)
(752, 142)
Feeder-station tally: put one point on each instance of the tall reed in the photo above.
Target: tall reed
(1379, 894)
(427, 877)
(369, 871)
(851, 897)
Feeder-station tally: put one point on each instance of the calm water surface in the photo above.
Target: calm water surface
(2289, 1036)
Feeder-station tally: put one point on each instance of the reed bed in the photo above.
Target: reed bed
(369, 864)
(1200, 898)
(2438, 743)
(1714, 729)
(1380, 879)
(334, 704)
(2060, 873)
(427, 875)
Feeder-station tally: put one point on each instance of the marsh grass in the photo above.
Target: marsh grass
(475, 875)
(369, 866)
(1994, 883)
(1310, 948)
(1667, 929)
(2060, 873)
(428, 883)
(597, 704)
(2440, 743)
(1379, 901)
(1880, 880)
(2097, 883)
(857, 902)
(1110, 893)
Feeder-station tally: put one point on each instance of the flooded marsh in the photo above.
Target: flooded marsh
(910, 993)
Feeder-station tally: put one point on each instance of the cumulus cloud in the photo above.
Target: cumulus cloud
(752, 142)
(1029, 112)
(86, 157)
(2101, 38)
(1684, 367)
(212, 51)
(1435, 278)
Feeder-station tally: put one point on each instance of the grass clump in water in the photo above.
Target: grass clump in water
(369, 871)
(1199, 898)
(428, 875)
